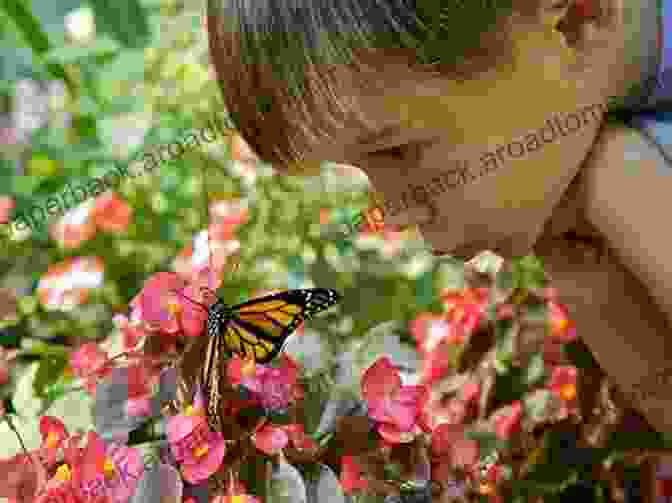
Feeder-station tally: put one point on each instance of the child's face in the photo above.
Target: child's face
(495, 154)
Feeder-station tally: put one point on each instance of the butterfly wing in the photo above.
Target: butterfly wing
(261, 326)
(212, 366)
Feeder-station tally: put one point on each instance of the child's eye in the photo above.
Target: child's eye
(396, 152)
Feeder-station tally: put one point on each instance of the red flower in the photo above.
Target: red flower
(451, 450)
(466, 308)
(436, 339)
(271, 439)
(90, 363)
(111, 213)
(563, 383)
(509, 423)
(75, 227)
(397, 407)
(6, 206)
(298, 437)
(562, 328)
(66, 284)
(167, 303)
(53, 433)
(351, 475)
(20, 478)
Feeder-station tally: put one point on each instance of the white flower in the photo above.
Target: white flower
(80, 24)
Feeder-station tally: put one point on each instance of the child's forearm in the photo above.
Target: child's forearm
(628, 194)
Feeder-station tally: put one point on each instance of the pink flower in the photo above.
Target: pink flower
(90, 363)
(272, 386)
(166, 303)
(465, 308)
(562, 328)
(140, 377)
(6, 206)
(66, 284)
(271, 439)
(111, 213)
(199, 450)
(436, 340)
(8, 136)
(509, 423)
(63, 493)
(298, 437)
(397, 407)
(563, 384)
(351, 475)
(20, 478)
(132, 332)
(451, 450)
(107, 471)
(75, 227)
(434, 412)
(53, 433)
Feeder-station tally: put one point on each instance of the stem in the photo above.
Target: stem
(9, 422)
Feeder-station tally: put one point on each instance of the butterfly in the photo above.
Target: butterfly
(255, 329)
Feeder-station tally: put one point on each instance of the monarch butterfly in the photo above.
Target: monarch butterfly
(257, 328)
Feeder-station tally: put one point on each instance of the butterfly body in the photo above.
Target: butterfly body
(257, 328)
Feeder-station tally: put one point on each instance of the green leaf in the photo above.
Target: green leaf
(48, 373)
(530, 272)
(125, 20)
(535, 405)
(488, 442)
(72, 54)
(507, 279)
(34, 36)
(535, 370)
(504, 332)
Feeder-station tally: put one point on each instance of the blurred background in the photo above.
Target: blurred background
(87, 86)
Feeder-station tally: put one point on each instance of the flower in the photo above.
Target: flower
(107, 471)
(510, 422)
(80, 24)
(132, 332)
(199, 450)
(450, 449)
(270, 439)
(139, 391)
(563, 384)
(53, 433)
(111, 213)
(271, 386)
(298, 438)
(167, 303)
(75, 227)
(395, 406)
(562, 328)
(351, 475)
(20, 477)
(466, 308)
(90, 363)
(436, 339)
(66, 284)
(6, 202)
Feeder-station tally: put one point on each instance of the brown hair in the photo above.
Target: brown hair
(271, 56)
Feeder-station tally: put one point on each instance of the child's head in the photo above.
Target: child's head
(401, 88)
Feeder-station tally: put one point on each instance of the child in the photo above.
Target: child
(495, 111)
